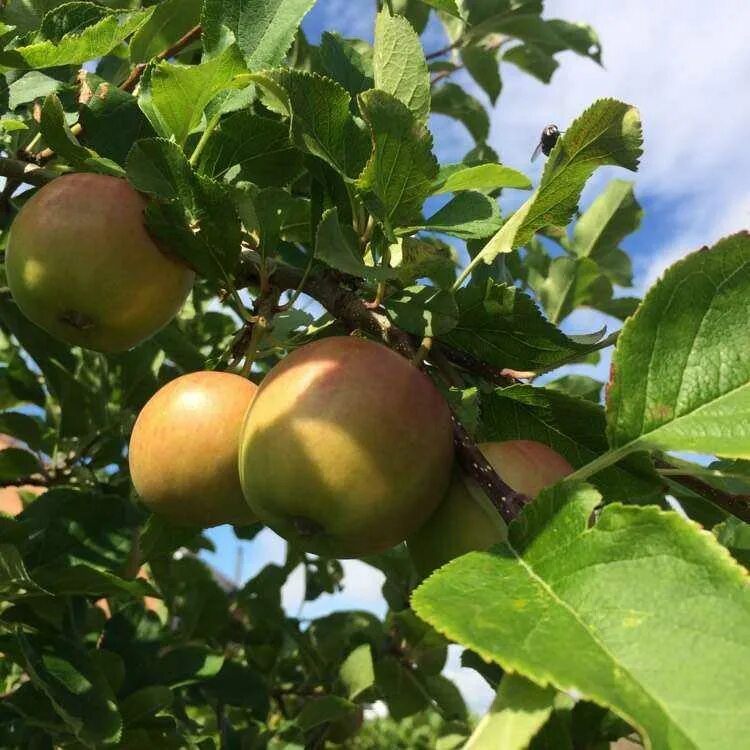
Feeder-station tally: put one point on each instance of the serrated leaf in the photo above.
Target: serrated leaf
(357, 672)
(423, 310)
(31, 86)
(446, 6)
(174, 96)
(76, 687)
(608, 132)
(580, 386)
(483, 66)
(159, 167)
(113, 121)
(681, 370)
(451, 100)
(453, 178)
(571, 283)
(346, 63)
(337, 247)
(573, 427)
(533, 60)
(169, 22)
(503, 327)
(469, 215)
(614, 214)
(57, 134)
(252, 148)
(400, 68)
(263, 29)
(320, 119)
(518, 712)
(578, 37)
(628, 596)
(402, 167)
(76, 48)
(414, 258)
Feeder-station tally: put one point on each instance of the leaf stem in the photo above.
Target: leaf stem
(602, 462)
(205, 135)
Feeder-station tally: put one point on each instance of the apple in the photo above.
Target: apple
(466, 520)
(183, 449)
(82, 266)
(347, 448)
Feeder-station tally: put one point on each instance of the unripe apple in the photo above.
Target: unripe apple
(347, 448)
(81, 264)
(466, 520)
(183, 450)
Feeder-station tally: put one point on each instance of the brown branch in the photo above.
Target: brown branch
(344, 305)
(135, 76)
(35, 480)
(132, 81)
(735, 505)
(22, 172)
(444, 50)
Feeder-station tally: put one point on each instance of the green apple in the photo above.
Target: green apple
(347, 448)
(81, 264)
(183, 449)
(466, 520)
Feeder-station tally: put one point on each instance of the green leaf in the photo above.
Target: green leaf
(145, 703)
(518, 712)
(23, 427)
(323, 710)
(57, 134)
(13, 573)
(76, 687)
(482, 65)
(112, 121)
(532, 60)
(500, 325)
(400, 688)
(415, 258)
(159, 167)
(573, 427)
(263, 29)
(645, 601)
(469, 215)
(571, 283)
(608, 132)
(611, 217)
(346, 62)
(399, 65)
(187, 665)
(578, 37)
(251, 148)
(337, 247)
(681, 370)
(74, 48)
(580, 386)
(174, 96)
(451, 100)
(16, 463)
(169, 22)
(423, 310)
(31, 86)
(357, 672)
(88, 580)
(485, 177)
(321, 122)
(447, 6)
(400, 172)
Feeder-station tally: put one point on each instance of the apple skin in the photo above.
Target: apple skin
(347, 448)
(466, 520)
(82, 266)
(183, 449)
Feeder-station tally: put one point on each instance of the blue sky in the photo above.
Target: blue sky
(687, 69)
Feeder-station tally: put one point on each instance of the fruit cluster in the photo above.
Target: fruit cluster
(345, 449)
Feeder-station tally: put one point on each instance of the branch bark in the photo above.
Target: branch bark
(347, 307)
(23, 172)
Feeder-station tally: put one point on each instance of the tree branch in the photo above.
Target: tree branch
(736, 505)
(347, 307)
(23, 172)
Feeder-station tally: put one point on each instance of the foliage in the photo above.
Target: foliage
(279, 166)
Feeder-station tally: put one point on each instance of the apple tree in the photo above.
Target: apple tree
(240, 288)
